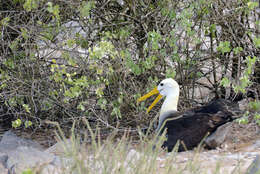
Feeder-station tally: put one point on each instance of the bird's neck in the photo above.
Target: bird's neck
(169, 104)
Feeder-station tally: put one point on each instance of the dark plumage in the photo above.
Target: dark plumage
(192, 126)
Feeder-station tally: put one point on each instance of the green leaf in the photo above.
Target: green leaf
(251, 5)
(237, 50)
(255, 105)
(131, 64)
(243, 120)
(257, 116)
(199, 74)
(16, 123)
(124, 33)
(24, 33)
(170, 73)
(99, 71)
(212, 30)
(81, 41)
(29, 5)
(149, 63)
(12, 101)
(81, 107)
(172, 14)
(14, 44)
(257, 42)
(101, 50)
(71, 43)
(82, 81)
(28, 171)
(116, 111)
(3, 85)
(99, 92)
(27, 108)
(165, 11)
(55, 10)
(224, 47)
(154, 38)
(75, 91)
(9, 63)
(250, 63)
(27, 124)
(102, 102)
(47, 36)
(5, 21)
(86, 7)
(258, 122)
(225, 82)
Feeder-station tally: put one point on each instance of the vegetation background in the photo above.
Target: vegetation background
(64, 60)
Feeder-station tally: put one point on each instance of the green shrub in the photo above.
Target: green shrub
(53, 70)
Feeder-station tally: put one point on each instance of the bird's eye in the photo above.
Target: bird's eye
(161, 84)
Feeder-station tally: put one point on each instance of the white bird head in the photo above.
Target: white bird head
(168, 88)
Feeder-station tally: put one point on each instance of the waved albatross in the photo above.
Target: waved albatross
(189, 127)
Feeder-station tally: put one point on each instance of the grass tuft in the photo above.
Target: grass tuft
(124, 156)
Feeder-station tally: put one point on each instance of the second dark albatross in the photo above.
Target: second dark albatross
(189, 127)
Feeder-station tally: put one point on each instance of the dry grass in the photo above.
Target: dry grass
(120, 156)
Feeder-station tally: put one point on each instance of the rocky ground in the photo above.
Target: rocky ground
(237, 150)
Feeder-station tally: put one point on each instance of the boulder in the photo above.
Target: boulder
(60, 147)
(24, 157)
(218, 137)
(10, 142)
(3, 170)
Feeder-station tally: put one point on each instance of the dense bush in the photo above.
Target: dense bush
(64, 60)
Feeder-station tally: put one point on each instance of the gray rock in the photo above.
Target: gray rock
(25, 157)
(3, 170)
(254, 168)
(219, 136)
(254, 146)
(51, 169)
(59, 165)
(10, 142)
(18, 154)
(3, 158)
(60, 147)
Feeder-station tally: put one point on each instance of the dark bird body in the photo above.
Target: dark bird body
(192, 126)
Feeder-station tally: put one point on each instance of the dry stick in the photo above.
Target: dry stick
(110, 126)
(43, 93)
(212, 61)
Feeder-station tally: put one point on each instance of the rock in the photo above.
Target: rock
(59, 165)
(62, 161)
(218, 137)
(254, 168)
(254, 146)
(10, 142)
(3, 158)
(3, 170)
(51, 169)
(18, 155)
(25, 157)
(61, 147)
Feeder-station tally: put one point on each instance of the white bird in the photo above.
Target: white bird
(191, 126)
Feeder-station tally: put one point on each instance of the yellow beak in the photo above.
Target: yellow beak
(149, 94)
